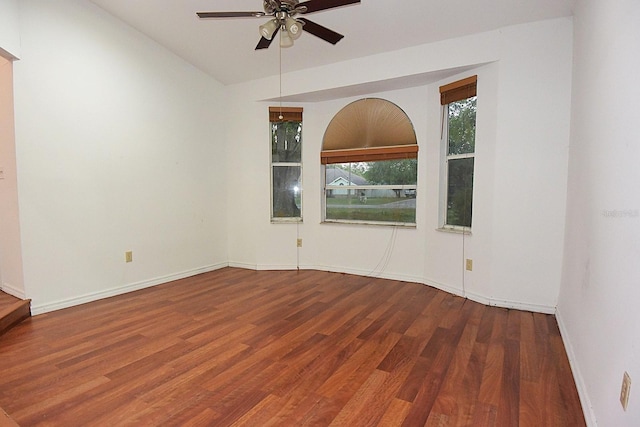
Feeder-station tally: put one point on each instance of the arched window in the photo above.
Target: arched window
(370, 155)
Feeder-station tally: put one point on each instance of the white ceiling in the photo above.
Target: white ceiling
(225, 48)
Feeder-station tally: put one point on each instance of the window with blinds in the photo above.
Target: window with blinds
(459, 101)
(369, 153)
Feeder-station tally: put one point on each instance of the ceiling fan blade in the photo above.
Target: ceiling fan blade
(319, 31)
(205, 15)
(265, 43)
(317, 5)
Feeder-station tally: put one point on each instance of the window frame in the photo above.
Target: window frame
(276, 115)
(454, 92)
(393, 187)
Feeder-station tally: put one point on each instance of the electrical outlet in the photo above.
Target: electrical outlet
(469, 265)
(299, 243)
(128, 256)
(625, 390)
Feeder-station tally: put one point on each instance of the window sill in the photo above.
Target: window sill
(286, 220)
(455, 230)
(374, 223)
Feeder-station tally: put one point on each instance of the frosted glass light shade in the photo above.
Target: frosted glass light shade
(267, 30)
(285, 39)
(294, 28)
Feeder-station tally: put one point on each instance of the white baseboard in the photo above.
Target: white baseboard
(276, 267)
(446, 288)
(244, 265)
(514, 305)
(537, 308)
(94, 296)
(587, 408)
(365, 273)
(58, 305)
(11, 290)
(332, 269)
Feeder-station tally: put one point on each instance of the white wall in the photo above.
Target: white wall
(9, 29)
(530, 162)
(120, 146)
(523, 133)
(598, 305)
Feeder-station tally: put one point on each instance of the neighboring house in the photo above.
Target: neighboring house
(337, 176)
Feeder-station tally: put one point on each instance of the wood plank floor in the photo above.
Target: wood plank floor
(246, 348)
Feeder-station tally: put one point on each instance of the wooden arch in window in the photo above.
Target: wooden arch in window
(370, 129)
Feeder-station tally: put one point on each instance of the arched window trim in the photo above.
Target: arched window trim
(354, 155)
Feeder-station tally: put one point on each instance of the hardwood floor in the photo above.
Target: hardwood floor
(246, 348)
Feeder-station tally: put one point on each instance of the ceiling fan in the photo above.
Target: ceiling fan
(283, 13)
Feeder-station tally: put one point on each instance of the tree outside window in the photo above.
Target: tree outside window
(461, 144)
(286, 166)
(459, 100)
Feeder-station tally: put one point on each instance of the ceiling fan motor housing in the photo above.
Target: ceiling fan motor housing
(286, 6)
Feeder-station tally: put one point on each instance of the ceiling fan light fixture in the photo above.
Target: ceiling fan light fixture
(282, 15)
(285, 38)
(267, 29)
(294, 27)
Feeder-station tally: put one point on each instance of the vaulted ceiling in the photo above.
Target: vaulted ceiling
(225, 48)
